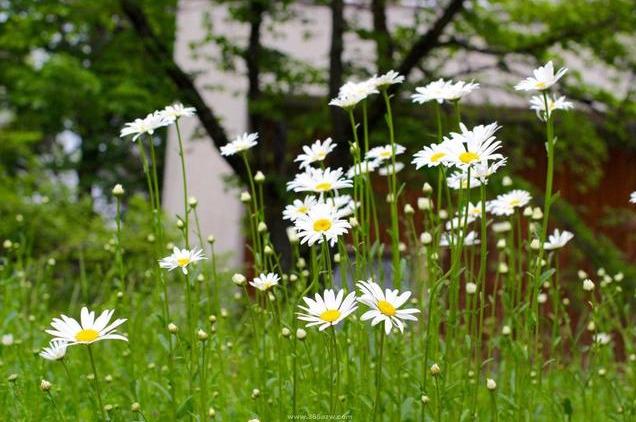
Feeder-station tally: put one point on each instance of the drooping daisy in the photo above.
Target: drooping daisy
(451, 238)
(458, 221)
(483, 170)
(632, 198)
(315, 152)
(88, 330)
(385, 306)
(239, 144)
(147, 125)
(299, 208)
(265, 281)
(471, 147)
(177, 110)
(321, 224)
(389, 78)
(181, 258)
(429, 156)
(537, 103)
(442, 90)
(327, 310)
(362, 168)
(544, 78)
(351, 93)
(389, 170)
(319, 181)
(56, 350)
(459, 180)
(475, 210)
(505, 204)
(558, 239)
(384, 152)
(343, 205)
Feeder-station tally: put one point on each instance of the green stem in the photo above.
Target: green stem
(98, 392)
(378, 374)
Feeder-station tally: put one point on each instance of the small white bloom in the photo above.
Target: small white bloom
(558, 239)
(390, 170)
(538, 104)
(362, 168)
(265, 281)
(181, 258)
(385, 306)
(327, 310)
(389, 78)
(7, 340)
(632, 198)
(588, 285)
(299, 208)
(505, 204)
(470, 147)
(88, 330)
(429, 156)
(471, 288)
(56, 350)
(384, 152)
(239, 144)
(177, 110)
(602, 338)
(442, 90)
(351, 93)
(147, 125)
(118, 190)
(491, 384)
(470, 239)
(543, 78)
(315, 152)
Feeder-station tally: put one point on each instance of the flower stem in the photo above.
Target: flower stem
(378, 375)
(98, 392)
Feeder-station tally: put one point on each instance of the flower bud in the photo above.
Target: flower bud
(301, 334)
(506, 181)
(259, 177)
(537, 214)
(172, 328)
(245, 197)
(180, 223)
(118, 190)
(292, 235)
(268, 250)
(408, 209)
(588, 285)
(423, 204)
(45, 385)
(262, 227)
(501, 243)
(435, 370)
(301, 263)
(443, 214)
(336, 258)
(506, 330)
(535, 244)
(285, 332)
(425, 399)
(135, 407)
(491, 384)
(426, 238)
(202, 335)
(192, 202)
(427, 188)
(502, 268)
(353, 222)
(239, 279)
(527, 211)
(211, 239)
(471, 288)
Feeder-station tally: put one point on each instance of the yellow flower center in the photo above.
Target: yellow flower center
(385, 154)
(437, 156)
(182, 262)
(321, 155)
(330, 315)
(514, 202)
(87, 334)
(302, 210)
(386, 308)
(323, 187)
(539, 85)
(468, 157)
(322, 225)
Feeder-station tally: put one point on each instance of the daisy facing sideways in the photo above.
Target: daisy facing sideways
(319, 181)
(441, 90)
(327, 310)
(239, 144)
(88, 330)
(181, 258)
(429, 156)
(543, 78)
(505, 204)
(538, 104)
(558, 239)
(265, 281)
(315, 152)
(321, 224)
(384, 152)
(148, 125)
(56, 350)
(384, 306)
(470, 147)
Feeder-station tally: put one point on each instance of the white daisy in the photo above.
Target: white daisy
(429, 156)
(299, 208)
(544, 78)
(450, 238)
(319, 181)
(147, 125)
(389, 170)
(56, 350)
(602, 338)
(385, 306)
(315, 152)
(351, 93)
(459, 180)
(177, 110)
(389, 78)
(181, 258)
(239, 144)
(89, 330)
(632, 198)
(442, 90)
(471, 147)
(474, 211)
(458, 222)
(537, 103)
(505, 204)
(321, 223)
(328, 310)
(343, 205)
(265, 281)
(384, 152)
(483, 170)
(558, 239)
(362, 168)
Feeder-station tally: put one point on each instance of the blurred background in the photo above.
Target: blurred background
(72, 72)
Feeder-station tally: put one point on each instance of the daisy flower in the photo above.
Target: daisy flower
(88, 330)
(385, 306)
(321, 223)
(315, 152)
(389, 78)
(472, 146)
(319, 181)
(470, 239)
(506, 203)
(56, 350)
(362, 168)
(632, 198)
(265, 281)
(544, 78)
(442, 90)
(147, 125)
(299, 208)
(459, 180)
(458, 222)
(239, 144)
(328, 310)
(429, 156)
(177, 110)
(558, 239)
(474, 211)
(537, 103)
(181, 258)
(389, 170)
(343, 205)
(483, 170)
(352, 93)
(384, 152)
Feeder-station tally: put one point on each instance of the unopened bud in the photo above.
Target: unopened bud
(239, 279)
(45, 385)
(259, 177)
(118, 190)
(246, 197)
(172, 328)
